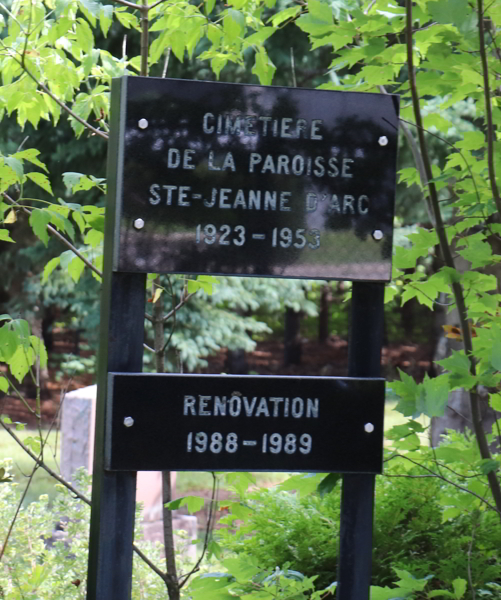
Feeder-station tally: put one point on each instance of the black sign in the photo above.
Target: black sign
(228, 423)
(249, 180)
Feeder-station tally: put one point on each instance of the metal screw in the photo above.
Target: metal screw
(139, 223)
(129, 422)
(369, 427)
(377, 234)
(143, 123)
(383, 140)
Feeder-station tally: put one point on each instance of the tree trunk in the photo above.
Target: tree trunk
(458, 410)
(170, 554)
(323, 315)
(292, 341)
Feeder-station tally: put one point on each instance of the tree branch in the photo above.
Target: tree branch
(488, 108)
(129, 4)
(56, 233)
(449, 262)
(64, 106)
(155, 4)
(144, 37)
(208, 531)
(14, 518)
(182, 302)
(433, 474)
(79, 495)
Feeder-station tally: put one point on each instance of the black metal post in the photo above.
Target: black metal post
(357, 499)
(120, 350)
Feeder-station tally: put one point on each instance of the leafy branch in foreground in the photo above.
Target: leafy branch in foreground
(449, 263)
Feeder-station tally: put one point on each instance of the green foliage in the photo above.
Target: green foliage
(53, 63)
(35, 566)
(414, 533)
(19, 349)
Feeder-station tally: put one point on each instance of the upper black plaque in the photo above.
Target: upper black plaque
(249, 180)
(173, 422)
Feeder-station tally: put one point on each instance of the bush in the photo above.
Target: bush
(46, 555)
(410, 534)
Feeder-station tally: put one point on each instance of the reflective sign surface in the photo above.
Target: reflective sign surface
(250, 180)
(247, 423)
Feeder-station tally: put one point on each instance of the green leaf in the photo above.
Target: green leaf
(459, 586)
(433, 395)
(93, 238)
(258, 38)
(76, 182)
(31, 156)
(5, 237)
(91, 7)
(40, 350)
(328, 483)
(448, 454)
(192, 503)
(436, 593)
(75, 268)
(458, 366)
(407, 390)
(488, 465)
(41, 180)
(283, 15)
(97, 223)
(386, 593)
(106, 18)
(449, 11)
(495, 401)
(263, 67)
(127, 19)
(178, 44)
(409, 582)
(84, 35)
(233, 24)
(16, 165)
(303, 484)
(49, 267)
(321, 11)
(39, 219)
(21, 362)
(8, 343)
(193, 286)
(4, 384)
(209, 6)
(450, 513)
(496, 353)
(390, 291)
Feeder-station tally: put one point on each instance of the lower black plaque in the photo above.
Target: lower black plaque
(226, 423)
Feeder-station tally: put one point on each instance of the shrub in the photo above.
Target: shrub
(35, 565)
(410, 534)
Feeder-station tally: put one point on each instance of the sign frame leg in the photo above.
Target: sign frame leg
(114, 493)
(357, 498)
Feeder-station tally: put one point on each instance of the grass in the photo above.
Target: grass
(42, 483)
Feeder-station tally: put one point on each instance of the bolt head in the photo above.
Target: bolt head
(142, 123)
(383, 141)
(377, 234)
(128, 421)
(369, 427)
(139, 223)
